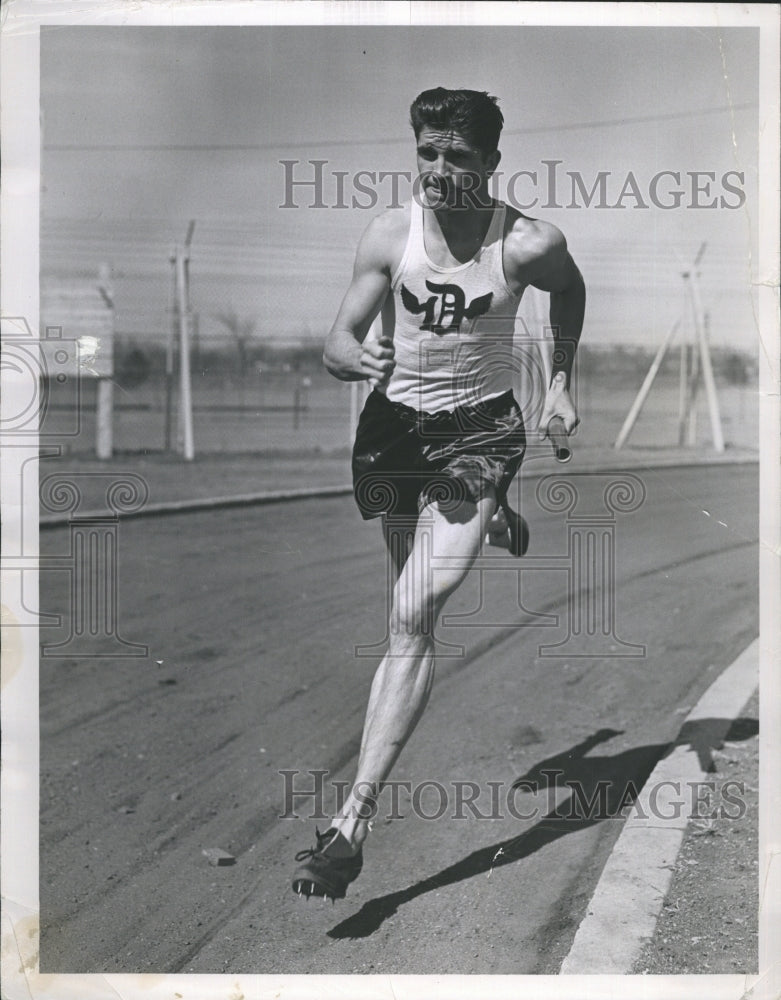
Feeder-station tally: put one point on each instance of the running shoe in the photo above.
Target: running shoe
(519, 531)
(322, 874)
(514, 537)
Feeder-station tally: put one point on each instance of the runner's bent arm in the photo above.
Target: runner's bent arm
(561, 277)
(348, 355)
(557, 273)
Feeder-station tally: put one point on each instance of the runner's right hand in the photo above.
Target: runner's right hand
(377, 360)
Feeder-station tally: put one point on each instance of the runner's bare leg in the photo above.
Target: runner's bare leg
(403, 680)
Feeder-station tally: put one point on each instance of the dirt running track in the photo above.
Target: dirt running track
(253, 614)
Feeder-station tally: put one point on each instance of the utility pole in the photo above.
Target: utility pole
(170, 349)
(185, 384)
(179, 331)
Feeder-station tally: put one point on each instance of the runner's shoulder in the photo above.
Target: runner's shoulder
(528, 239)
(384, 238)
(390, 225)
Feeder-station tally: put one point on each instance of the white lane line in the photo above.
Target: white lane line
(628, 898)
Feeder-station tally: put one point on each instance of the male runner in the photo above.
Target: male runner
(441, 435)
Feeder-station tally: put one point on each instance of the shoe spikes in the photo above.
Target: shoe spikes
(309, 887)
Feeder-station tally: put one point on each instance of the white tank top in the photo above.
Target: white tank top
(452, 327)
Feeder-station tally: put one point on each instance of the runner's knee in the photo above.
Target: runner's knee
(415, 608)
(411, 616)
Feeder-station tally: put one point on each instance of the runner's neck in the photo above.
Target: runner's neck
(456, 233)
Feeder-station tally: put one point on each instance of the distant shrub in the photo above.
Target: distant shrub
(132, 367)
(734, 368)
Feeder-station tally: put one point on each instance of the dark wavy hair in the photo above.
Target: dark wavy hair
(474, 114)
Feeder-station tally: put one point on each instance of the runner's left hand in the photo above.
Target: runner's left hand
(558, 403)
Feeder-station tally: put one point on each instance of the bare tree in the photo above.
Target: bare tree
(242, 330)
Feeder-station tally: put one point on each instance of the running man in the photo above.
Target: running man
(441, 435)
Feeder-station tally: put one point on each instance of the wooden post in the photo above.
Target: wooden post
(683, 388)
(693, 383)
(169, 355)
(196, 320)
(702, 363)
(645, 388)
(694, 389)
(188, 449)
(104, 406)
(707, 368)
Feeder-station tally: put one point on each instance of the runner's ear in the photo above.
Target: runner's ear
(492, 161)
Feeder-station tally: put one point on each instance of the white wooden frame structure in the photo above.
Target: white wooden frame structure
(695, 365)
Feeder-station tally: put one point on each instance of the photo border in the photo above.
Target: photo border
(20, 83)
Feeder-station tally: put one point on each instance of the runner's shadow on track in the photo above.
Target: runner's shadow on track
(601, 789)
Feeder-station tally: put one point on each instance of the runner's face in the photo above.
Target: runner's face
(450, 168)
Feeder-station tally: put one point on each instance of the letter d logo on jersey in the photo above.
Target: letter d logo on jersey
(452, 307)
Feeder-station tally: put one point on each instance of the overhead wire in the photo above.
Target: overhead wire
(385, 140)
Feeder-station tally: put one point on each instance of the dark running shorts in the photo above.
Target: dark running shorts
(403, 459)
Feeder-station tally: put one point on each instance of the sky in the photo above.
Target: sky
(145, 128)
